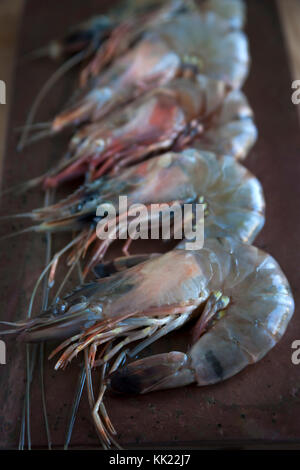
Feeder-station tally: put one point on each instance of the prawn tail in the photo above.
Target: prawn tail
(161, 371)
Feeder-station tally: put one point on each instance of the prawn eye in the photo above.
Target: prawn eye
(59, 308)
(54, 311)
(76, 208)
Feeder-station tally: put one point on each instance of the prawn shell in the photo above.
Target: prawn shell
(261, 306)
(232, 131)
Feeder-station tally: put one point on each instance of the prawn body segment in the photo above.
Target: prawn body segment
(232, 130)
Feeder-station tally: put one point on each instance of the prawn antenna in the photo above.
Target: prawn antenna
(32, 228)
(23, 187)
(60, 72)
(24, 215)
(38, 136)
(38, 53)
(79, 389)
(75, 406)
(31, 357)
(49, 196)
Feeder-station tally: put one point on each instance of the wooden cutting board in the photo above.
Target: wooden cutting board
(261, 405)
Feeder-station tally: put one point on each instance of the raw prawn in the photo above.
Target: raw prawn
(248, 305)
(143, 24)
(233, 198)
(85, 38)
(227, 14)
(224, 126)
(200, 111)
(189, 40)
(237, 294)
(176, 113)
